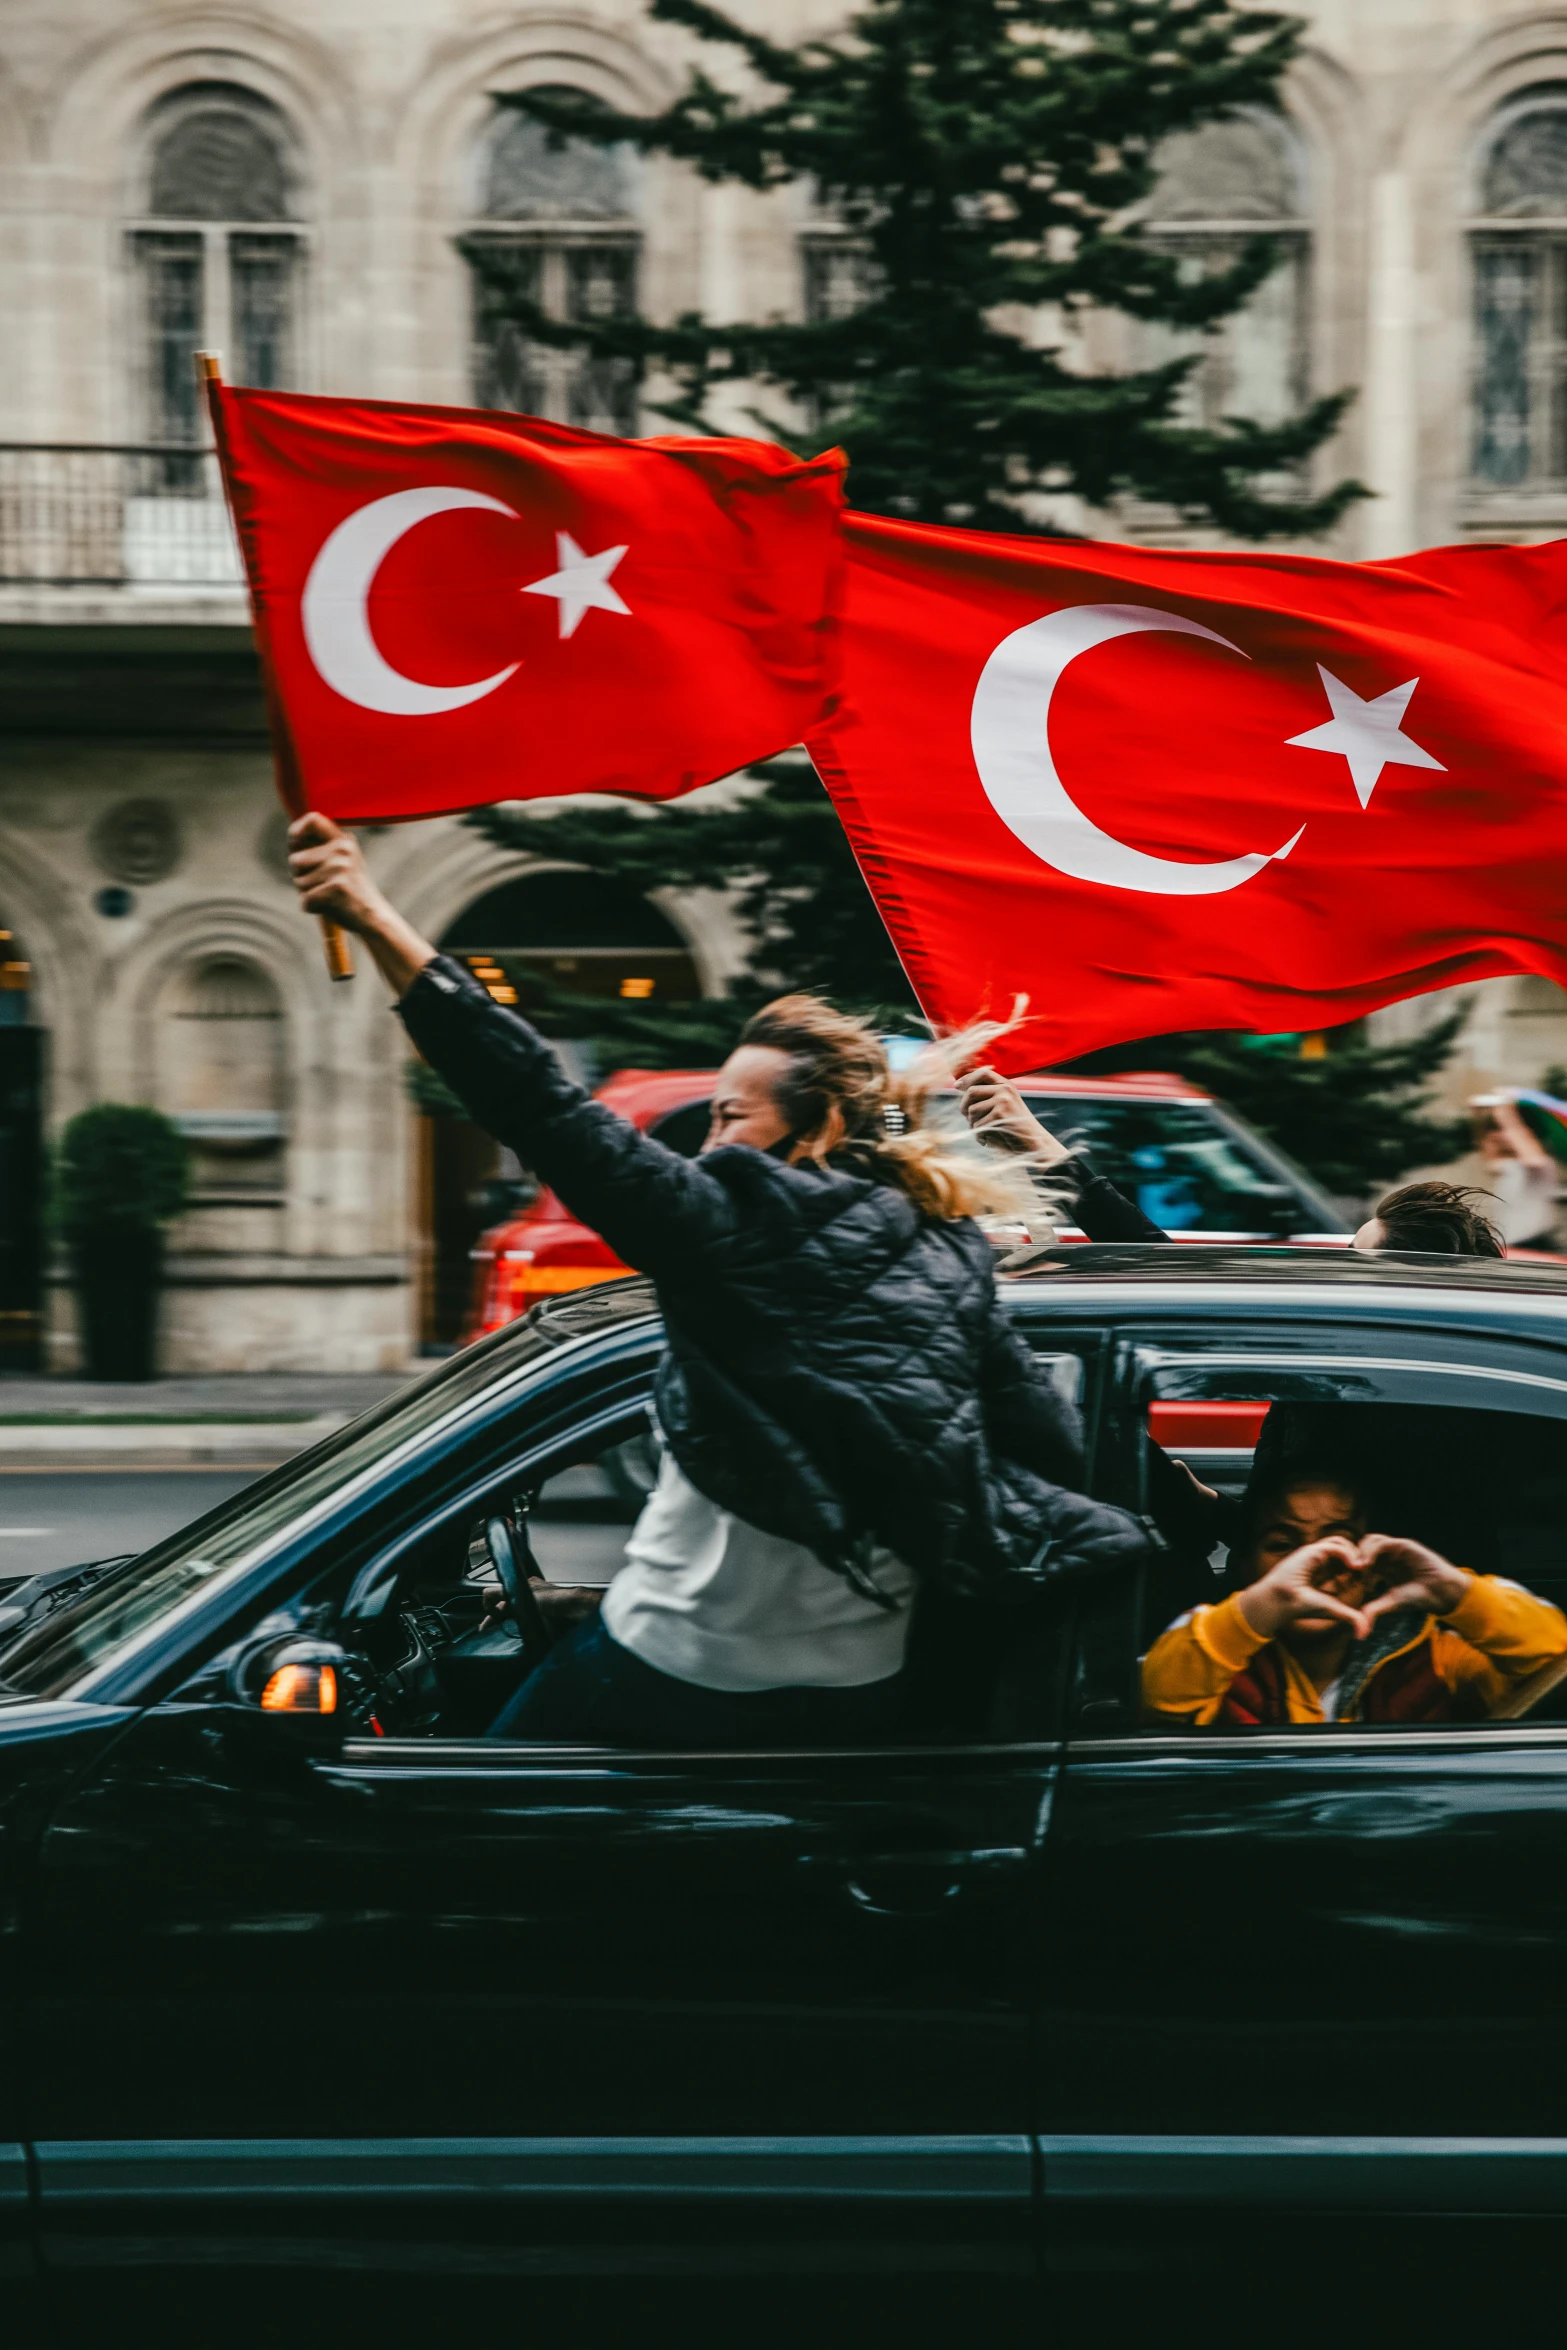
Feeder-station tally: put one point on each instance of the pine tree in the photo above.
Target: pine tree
(988, 158)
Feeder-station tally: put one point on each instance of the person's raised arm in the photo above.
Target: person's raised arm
(1496, 1634)
(655, 1208)
(332, 878)
(998, 1114)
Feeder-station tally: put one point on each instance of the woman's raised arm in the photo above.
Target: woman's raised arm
(655, 1208)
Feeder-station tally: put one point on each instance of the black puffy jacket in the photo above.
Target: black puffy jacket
(839, 1370)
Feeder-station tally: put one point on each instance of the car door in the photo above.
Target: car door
(43, 1749)
(1318, 1966)
(515, 1996)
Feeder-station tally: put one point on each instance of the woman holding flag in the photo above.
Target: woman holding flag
(845, 1409)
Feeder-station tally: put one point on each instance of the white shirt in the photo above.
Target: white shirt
(707, 1598)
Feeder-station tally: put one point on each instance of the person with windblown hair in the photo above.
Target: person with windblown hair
(844, 1408)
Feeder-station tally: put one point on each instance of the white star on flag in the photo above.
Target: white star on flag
(1368, 734)
(581, 584)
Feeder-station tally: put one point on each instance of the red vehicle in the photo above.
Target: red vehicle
(1192, 1165)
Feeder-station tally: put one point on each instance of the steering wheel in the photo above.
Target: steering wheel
(501, 1541)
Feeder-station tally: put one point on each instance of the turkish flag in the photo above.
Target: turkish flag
(1158, 791)
(455, 607)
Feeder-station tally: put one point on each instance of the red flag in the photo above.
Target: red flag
(1162, 791)
(455, 607)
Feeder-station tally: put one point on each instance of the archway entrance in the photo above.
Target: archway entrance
(21, 1189)
(573, 933)
(553, 944)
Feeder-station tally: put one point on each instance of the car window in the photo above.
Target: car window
(48, 1648)
(443, 1656)
(1443, 1486)
(1185, 1169)
(583, 1511)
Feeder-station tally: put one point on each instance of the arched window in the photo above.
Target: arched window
(1519, 242)
(217, 249)
(1219, 186)
(221, 1073)
(550, 942)
(557, 227)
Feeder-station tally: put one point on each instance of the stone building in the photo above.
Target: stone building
(297, 185)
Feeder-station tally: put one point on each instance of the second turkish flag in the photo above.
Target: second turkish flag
(458, 606)
(1157, 791)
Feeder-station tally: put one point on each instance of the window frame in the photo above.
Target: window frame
(376, 1585)
(1545, 361)
(1207, 397)
(1110, 1616)
(218, 327)
(562, 367)
(1217, 235)
(820, 245)
(1540, 492)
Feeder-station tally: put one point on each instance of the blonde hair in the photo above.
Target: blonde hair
(839, 1063)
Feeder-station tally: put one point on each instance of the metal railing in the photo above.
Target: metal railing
(76, 515)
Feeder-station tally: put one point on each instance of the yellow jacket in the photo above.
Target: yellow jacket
(1496, 1637)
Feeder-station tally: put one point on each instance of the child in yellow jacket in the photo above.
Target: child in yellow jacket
(1341, 1625)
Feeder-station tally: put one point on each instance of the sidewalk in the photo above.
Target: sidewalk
(250, 1419)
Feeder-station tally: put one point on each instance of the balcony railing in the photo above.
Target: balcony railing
(79, 516)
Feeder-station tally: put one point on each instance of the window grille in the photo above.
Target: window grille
(1218, 187)
(840, 275)
(1518, 251)
(557, 231)
(218, 255)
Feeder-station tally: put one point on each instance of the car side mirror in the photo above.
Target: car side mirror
(293, 1687)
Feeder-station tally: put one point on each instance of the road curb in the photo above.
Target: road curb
(67, 1444)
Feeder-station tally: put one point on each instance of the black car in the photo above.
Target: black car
(299, 1967)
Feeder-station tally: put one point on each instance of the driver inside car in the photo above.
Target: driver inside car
(1338, 1624)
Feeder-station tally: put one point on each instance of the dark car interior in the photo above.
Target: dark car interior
(480, 1602)
(477, 1605)
(1485, 1488)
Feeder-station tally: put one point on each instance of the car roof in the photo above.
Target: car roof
(1243, 1274)
(1255, 1265)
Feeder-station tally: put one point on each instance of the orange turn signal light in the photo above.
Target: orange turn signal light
(301, 1689)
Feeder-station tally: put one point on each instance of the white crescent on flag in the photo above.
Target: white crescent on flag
(1009, 728)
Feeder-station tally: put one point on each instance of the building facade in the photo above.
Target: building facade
(304, 188)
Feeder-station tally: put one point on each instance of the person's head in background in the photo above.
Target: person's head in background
(1494, 1130)
(1432, 1219)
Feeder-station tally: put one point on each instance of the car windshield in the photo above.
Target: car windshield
(1185, 1168)
(60, 1640)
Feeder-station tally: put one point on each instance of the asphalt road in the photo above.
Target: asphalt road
(58, 1517)
(63, 1517)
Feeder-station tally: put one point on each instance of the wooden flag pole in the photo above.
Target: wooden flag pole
(334, 939)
